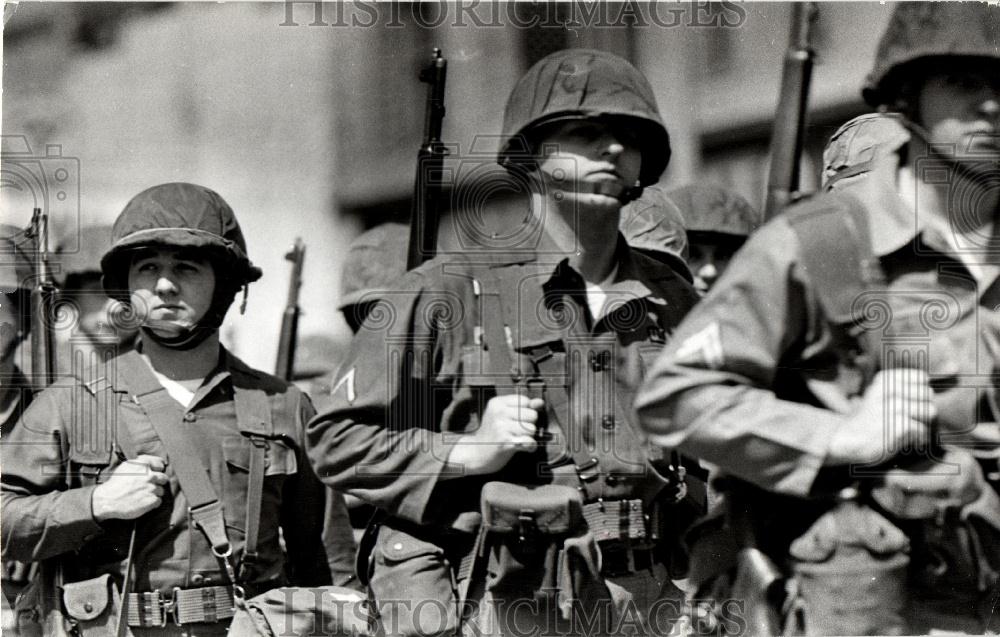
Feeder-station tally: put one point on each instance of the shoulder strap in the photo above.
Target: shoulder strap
(253, 416)
(164, 414)
(843, 270)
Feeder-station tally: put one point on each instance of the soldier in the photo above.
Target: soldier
(163, 480)
(99, 331)
(15, 389)
(487, 411)
(717, 222)
(843, 369)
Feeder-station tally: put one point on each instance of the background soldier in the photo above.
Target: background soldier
(807, 371)
(15, 389)
(445, 400)
(717, 222)
(111, 469)
(99, 330)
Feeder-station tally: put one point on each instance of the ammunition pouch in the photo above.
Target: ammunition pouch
(87, 608)
(851, 572)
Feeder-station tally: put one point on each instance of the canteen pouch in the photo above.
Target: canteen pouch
(851, 572)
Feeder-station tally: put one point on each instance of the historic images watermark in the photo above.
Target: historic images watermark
(519, 15)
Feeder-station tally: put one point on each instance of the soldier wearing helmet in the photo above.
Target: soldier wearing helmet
(494, 386)
(718, 223)
(176, 449)
(16, 270)
(861, 461)
(98, 331)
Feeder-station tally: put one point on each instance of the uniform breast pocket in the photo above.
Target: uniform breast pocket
(280, 462)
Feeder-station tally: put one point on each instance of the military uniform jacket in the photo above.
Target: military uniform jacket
(419, 375)
(756, 379)
(50, 470)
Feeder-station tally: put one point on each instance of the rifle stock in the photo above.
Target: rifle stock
(788, 138)
(426, 208)
(43, 354)
(285, 365)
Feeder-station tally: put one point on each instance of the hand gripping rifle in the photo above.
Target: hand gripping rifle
(288, 339)
(426, 208)
(788, 138)
(43, 292)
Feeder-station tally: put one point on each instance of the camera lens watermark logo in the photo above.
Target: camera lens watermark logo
(47, 180)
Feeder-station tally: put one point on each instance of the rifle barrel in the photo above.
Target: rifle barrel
(284, 366)
(788, 138)
(426, 208)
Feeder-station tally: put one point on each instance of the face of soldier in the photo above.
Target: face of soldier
(592, 153)
(961, 109)
(709, 255)
(171, 289)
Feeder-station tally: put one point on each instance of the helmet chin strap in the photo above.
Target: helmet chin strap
(608, 188)
(184, 339)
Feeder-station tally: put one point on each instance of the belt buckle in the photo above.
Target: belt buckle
(170, 607)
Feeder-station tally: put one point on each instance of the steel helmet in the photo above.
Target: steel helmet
(654, 225)
(584, 84)
(712, 208)
(858, 143)
(187, 216)
(922, 32)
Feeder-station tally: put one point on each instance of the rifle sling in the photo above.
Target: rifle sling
(165, 415)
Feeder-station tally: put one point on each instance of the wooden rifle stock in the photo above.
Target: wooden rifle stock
(426, 208)
(288, 339)
(43, 292)
(788, 138)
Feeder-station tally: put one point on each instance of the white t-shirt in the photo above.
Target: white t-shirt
(596, 296)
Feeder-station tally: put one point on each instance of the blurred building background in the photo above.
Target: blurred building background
(307, 117)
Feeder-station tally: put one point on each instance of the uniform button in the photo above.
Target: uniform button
(190, 417)
(197, 579)
(88, 607)
(398, 546)
(608, 422)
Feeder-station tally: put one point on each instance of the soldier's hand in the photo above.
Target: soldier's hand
(892, 416)
(135, 487)
(508, 426)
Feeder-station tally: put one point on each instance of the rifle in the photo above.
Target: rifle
(426, 208)
(788, 138)
(285, 364)
(43, 292)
